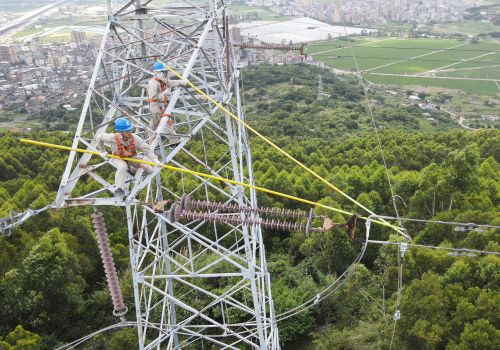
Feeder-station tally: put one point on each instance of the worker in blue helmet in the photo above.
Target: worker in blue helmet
(159, 90)
(125, 144)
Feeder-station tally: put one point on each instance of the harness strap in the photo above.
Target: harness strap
(124, 151)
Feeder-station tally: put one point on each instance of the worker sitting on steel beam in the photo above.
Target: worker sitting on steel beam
(125, 144)
(159, 90)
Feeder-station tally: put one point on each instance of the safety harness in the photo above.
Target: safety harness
(125, 151)
(163, 86)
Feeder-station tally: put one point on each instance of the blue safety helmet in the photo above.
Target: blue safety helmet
(159, 67)
(122, 124)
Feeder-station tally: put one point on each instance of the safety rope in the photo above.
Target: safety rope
(207, 176)
(276, 147)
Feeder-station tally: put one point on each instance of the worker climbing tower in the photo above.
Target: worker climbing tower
(198, 284)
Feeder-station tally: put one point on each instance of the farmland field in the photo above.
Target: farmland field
(467, 27)
(446, 63)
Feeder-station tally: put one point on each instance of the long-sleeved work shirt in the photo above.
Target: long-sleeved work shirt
(156, 95)
(109, 141)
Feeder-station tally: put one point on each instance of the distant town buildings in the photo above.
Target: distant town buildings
(371, 12)
(78, 36)
(36, 77)
(235, 34)
(8, 53)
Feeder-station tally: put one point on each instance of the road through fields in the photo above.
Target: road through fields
(341, 48)
(415, 57)
(459, 62)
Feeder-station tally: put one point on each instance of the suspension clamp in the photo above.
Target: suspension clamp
(403, 247)
(397, 315)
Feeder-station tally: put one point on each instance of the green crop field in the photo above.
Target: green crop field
(263, 13)
(26, 32)
(444, 63)
(467, 27)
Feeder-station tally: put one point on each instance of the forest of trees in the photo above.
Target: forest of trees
(52, 286)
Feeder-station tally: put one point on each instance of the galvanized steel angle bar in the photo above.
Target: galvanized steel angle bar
(172, 260)
(235, 288)
(113, 103)
(197, 313)
(139, 185)
(218, 128)
(148, 252)
(198, 254)
(181, 266)
(202, 240)
(186, 37)
(202, 252)
(133, 27)
(206, 182)
(79, 128)
(217, 300)
(144, 253)
(127, 63)
(89, 169)
(194, 5)
(152, 47)
(206, 166)
(101, 181)
(148, 305)
(149, 249)
(225, 297)
(204, 105)
(225, 254)
(142, 233)
(209, 338)
(126, 6)
(182, 36)
(96, 103)
(221, 258)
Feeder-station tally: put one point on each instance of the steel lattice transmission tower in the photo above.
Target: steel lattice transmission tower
(196, 285)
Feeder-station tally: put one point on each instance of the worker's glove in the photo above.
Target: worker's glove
(164, 94)
(183, 82)
(104, 154)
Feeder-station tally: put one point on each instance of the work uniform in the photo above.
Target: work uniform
(158, 93)
(120, 146)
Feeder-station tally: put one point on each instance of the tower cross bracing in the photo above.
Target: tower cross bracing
(197, 285)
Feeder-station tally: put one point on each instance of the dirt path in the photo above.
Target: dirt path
(458, 118)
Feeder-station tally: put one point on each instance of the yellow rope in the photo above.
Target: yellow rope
(269, 142)
(207, 176)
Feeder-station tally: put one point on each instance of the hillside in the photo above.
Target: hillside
(52, 285)
(284, 101)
